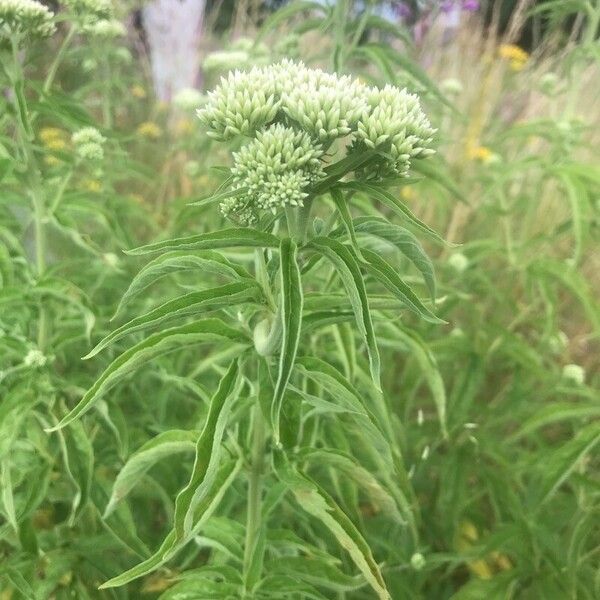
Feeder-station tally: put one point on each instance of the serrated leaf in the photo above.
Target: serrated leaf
(174, 262)
(163, 445)
(169, 548)
(426, 360)
(389, 200)
(349, 272)
(208, 451)
(404, 240)
(388, 276)
(291, 315)
(316, 501)
(194, 303)
(239, 237)
(175, 338)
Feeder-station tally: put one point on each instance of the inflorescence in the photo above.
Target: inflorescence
(25, 18)
(294, 114)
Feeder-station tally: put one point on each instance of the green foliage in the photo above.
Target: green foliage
(297, 408)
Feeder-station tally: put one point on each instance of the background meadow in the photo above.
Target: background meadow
(494, 412)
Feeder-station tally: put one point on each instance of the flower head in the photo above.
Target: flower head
(89, 144)
(25, 18)
(188, 99)
(90, 10)
(325, 105)
(242, 103)
(574, 373)
(106, 29)
(394, 123)
(150, 130)
(516, 56)
(276, 169)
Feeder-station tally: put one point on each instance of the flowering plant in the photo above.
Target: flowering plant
(309, 139)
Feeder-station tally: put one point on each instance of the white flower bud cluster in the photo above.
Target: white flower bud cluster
(25, 18)
(242, 103)
(395, 123)
(276, 168)
(89, 144)
(106, 29)
(188, 99)
(294, 114)
(90, 10)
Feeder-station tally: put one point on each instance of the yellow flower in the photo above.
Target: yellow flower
(512, 52)
(56, 144)
(407, 193)
(137, 91)
(481, 153)
(92, 185)
(51, 161)
(184, 126)
(150, 130)
(49, 134)
(467, 536)
(517, 56)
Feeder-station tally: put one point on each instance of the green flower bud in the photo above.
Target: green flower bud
(188, 99)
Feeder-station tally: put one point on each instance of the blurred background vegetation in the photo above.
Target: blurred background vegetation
(508, 501)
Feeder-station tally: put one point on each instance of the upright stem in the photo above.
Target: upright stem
(253, 519)
(57, 60)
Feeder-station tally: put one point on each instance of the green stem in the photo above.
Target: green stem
(58, 60)
(106, 107)
(254, 510)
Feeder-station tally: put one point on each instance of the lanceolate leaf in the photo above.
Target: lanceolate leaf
(226, 238)
(404, 240)
(342, 207)
(205, 261)
(163, 445)
(175, 338)
(421, 353)
(349, 272)
(386, 275)
(207, 454)
(193, 303)
(317, 502)
(291, 302)
(389, 200)
(169, 548)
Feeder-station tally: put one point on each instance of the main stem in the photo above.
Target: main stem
(254, 514)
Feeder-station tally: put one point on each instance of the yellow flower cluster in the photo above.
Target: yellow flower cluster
(149, 130)
(484, 568)
(516, 56)
(480, 153)
(138, 91)
(53, 138)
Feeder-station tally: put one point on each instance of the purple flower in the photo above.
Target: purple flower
(403, 10)
(470, 5)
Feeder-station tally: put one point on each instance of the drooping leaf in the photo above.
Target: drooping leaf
(316, 501)
(349, 272)
(174, 262)
(169, 548)
(242, 237)
(175, 338)
(165, 444)
(388, 276)
(404, 240)
(389, 200)
(194, 303)
(208, 451)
